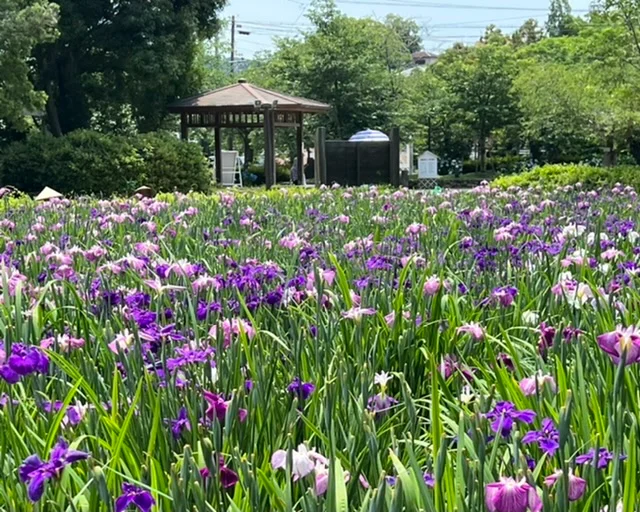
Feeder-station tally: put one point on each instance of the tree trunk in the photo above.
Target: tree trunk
(52, 116)
(482, 150)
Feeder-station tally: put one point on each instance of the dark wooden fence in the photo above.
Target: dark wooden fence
(358, 163)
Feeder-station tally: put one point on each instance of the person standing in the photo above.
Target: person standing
(295, 172)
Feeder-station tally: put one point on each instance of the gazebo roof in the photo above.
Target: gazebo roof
(245, 97)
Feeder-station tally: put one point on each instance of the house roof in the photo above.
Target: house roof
(245, 97)
(423, 55)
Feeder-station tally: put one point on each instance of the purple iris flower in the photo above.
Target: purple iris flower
(547, 437)
(503, 416)
(133, 495)
(301, 389)
(27, 359)
(228, 477)
(186, 356)
(599, 460)
(9, 376)
(36, 472)
(181, 423)
(143, 318)
(380, 404)
(429, 479)
(505, 295)
(547, 337)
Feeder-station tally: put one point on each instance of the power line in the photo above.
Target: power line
(414, 3)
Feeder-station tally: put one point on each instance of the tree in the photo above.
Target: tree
(560, 21)
(529, 33)
(23, 25)
(481, 78)
(435, 121)
(350, 63)
(407, 30)
(493, 35)
(122, 59)
(557, 103)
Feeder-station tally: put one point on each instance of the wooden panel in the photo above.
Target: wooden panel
(374, 160)
(341, 162)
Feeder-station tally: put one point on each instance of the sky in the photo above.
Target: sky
(443, 21)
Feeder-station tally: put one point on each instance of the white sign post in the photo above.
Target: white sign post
(427, 169)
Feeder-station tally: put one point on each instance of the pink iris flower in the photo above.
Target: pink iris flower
(577, 485)
(510, 495)
(621, 341)
(475, 330)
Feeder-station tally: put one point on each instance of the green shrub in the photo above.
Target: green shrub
(255, 175)
(552, 176)
(86, 162)
(171, 164)
(509, 164)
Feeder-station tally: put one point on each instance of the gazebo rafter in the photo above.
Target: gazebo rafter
(243, 105)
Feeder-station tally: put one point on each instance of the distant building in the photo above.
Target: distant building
(421, 61)
(424, 58)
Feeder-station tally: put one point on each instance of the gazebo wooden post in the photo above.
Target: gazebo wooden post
(184, 127)
(218, 149)
(269, 148)
(299, 155)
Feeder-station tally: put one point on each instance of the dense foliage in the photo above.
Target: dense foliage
(93, 163)
(101, 65)
(23, 25)
(347, 350)
(562, 94)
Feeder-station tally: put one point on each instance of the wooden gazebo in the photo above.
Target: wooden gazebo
(243, 105)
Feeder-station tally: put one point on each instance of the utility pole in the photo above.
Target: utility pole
(233, 44)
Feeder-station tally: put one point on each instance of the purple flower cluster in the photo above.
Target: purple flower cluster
(24, 360)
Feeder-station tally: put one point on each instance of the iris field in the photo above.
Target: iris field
(327, 350)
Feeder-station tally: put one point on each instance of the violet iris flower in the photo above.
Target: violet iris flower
(181, 423)
(505, 295)
(547, 437)
(380, 404)
(133, 495)
(503, 416)
(24, 360)
(599, 460)
(301, 389)
(36, 472)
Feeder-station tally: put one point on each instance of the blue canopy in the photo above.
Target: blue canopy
(369, 136)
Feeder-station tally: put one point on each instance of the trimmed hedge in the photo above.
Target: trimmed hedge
(552, 176)
(86, 162)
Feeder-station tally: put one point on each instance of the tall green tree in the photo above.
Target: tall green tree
(560, 21)
(122, 59)
(530, 32)
(407, 30)
(350, 63)
(481, 78)
(23, 25)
